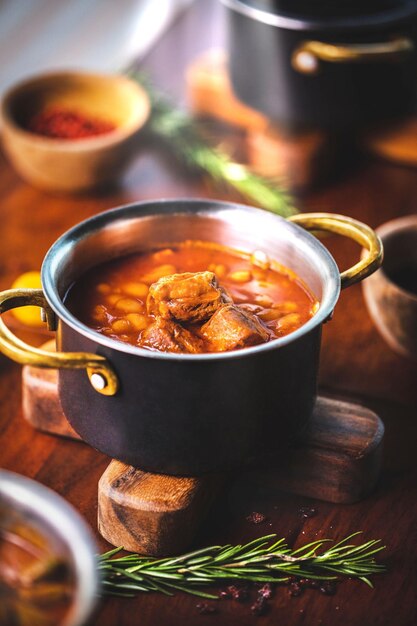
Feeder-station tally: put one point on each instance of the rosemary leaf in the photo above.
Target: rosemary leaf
(183, 136)
(110, 553)
(256, 561)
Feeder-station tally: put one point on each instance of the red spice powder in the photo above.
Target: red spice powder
(61, 123)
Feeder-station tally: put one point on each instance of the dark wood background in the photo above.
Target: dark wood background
(356, 364)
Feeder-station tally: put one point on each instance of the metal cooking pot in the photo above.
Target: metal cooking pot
(37, 518)
(325, 8)
(185, 413)
(327, 64)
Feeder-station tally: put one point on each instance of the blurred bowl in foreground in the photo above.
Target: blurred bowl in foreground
(73, 164)
(48, 569)
(391, 293)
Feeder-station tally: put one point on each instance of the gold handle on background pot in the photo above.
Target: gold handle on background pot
(348, 227)
(306, 58)
(100, 373)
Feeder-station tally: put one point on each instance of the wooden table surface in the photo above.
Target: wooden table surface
(355, 364)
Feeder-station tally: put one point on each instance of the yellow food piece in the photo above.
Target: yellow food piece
(99, 313)
(240, 276)
(113, 298)
(29, 315)
(103, 288)
(159, 272)
(270, 315)
(219, 269)
(289, 321)
(286, 307)
(260, 259)
(138, 290)
(120, 326)
(137, 320)
(163, 254)
(264, 300)
(129, 305)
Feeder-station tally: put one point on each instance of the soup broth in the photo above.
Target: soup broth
(128, 298)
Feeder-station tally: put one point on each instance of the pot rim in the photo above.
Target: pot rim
(178, 206)
(389, 17)
(59, 515)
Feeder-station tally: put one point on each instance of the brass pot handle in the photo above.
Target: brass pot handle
(100, 373)
(348, 227)
(306, 58)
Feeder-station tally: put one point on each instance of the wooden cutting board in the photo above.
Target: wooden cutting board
(338, 459)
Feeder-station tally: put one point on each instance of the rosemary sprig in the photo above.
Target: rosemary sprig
(266, 559)
(183, 136)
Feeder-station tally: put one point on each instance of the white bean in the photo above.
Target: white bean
(137, 320)
(121, 326)
(240, 276)
(138, 290)
(129, 305)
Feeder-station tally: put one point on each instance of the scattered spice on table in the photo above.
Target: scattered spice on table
(295, 589)
(260, 606)
(205, 608)
(235, 592)
(307, 511)
(256, 518)
(313, 584)
(61, 123)
(266, 591)
(328, 587)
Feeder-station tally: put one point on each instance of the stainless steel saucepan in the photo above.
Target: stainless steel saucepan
(188, 413)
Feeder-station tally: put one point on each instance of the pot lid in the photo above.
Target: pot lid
(326, 15)
(327, 8)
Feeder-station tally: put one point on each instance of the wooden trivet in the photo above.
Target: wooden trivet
(40, 401)
(338, 460)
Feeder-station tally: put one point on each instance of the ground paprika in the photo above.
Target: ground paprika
(61, 123)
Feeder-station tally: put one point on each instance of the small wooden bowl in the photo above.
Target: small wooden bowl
(72, 165)
(392, 308)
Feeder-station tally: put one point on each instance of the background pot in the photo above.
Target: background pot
(323, 67)
(325, 8)
(185, 413)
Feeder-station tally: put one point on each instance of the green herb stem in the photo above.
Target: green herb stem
(183, 136)
(263, 560)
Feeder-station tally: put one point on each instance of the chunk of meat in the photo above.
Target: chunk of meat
(186, 297)
(167, 336)
(232, 327)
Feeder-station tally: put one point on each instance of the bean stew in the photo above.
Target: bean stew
(192, 297)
